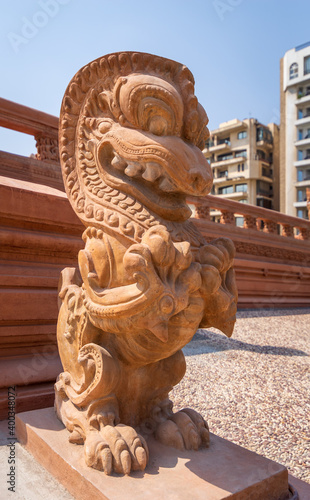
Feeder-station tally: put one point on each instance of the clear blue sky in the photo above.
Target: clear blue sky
(233, 48)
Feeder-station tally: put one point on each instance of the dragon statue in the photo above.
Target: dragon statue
(131, 138)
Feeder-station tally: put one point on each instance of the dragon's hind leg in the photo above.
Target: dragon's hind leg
(185, 429)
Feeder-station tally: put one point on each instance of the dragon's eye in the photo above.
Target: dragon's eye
(158, 125)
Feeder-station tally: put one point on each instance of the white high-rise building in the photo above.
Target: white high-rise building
(295, 131)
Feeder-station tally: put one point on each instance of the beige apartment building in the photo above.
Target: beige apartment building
(244, 156)
(295, 131)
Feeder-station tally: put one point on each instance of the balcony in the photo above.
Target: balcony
(220, 147)
(222, 179)
(300, 204)
(304, 98)
(303, 121)
(264, 194)
(303, 142)
(264, 143)
(266, 161)
(266, 173)
(231, 161)
(303, 183)
(302, 163)
(238, 195)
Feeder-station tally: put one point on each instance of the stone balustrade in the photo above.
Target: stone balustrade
(43, 127)
(254, 218)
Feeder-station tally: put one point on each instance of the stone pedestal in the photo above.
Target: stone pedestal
(225, 470)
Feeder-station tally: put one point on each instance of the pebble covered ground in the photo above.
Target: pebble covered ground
(254, 388)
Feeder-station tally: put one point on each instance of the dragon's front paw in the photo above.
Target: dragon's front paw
(185, 429)
(119, 449)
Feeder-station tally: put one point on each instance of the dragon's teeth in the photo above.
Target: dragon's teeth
(118, 163)
(152, 172)
(167, 186)
(132, 169)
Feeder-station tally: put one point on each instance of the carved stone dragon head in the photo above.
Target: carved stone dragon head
(131, 135)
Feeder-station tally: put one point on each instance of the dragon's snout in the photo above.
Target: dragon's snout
(169, 163)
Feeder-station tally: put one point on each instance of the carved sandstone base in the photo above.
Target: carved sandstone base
(223, 471)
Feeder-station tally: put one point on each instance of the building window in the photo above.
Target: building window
(267, 172)
(300, 134)
(224, 141)
(242, 135)
(293, 70)
(263, 134)
(226, 190)
(299, 157)
(225, 157)
(260, 155)
(241, 153)
(301, 195)
(301, 213)
(303, 175)
(300, 114)
(263, 188)
(223, 173)
(262, 202)
(307, 136)
(240, 167)
(241, 188)
(307, 157)
(307, 65)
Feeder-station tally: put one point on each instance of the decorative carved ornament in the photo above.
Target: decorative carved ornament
(131, 135)
(202, 211)
(47, 148)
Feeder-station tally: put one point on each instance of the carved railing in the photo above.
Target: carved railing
(254, 218)
(43, 127)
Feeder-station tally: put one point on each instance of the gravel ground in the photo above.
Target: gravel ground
(254, 388)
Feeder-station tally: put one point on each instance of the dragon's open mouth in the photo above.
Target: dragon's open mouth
(159, 172)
